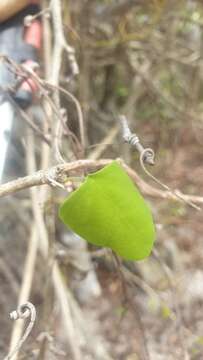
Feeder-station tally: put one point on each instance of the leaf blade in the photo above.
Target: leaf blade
(108, 210)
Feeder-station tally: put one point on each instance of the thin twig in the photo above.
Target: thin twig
(32, 125)
(60, 42)
(78, 108)
(108, 139)
(58, 172)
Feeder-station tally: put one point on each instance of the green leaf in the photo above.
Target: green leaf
(108, 210)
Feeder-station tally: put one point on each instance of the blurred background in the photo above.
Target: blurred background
(143, 59)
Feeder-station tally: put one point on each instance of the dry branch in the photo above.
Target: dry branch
(59, 174)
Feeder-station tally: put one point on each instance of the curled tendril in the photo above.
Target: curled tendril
(23, 312)
(177, 194)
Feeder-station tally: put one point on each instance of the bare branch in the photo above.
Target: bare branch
(44, 177)
(60, 173)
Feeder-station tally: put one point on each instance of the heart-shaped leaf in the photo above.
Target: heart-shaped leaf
(108, 210)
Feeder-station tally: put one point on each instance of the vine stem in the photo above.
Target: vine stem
(23, 312)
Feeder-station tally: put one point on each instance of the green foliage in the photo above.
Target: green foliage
(122, 91)
(108, 210)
